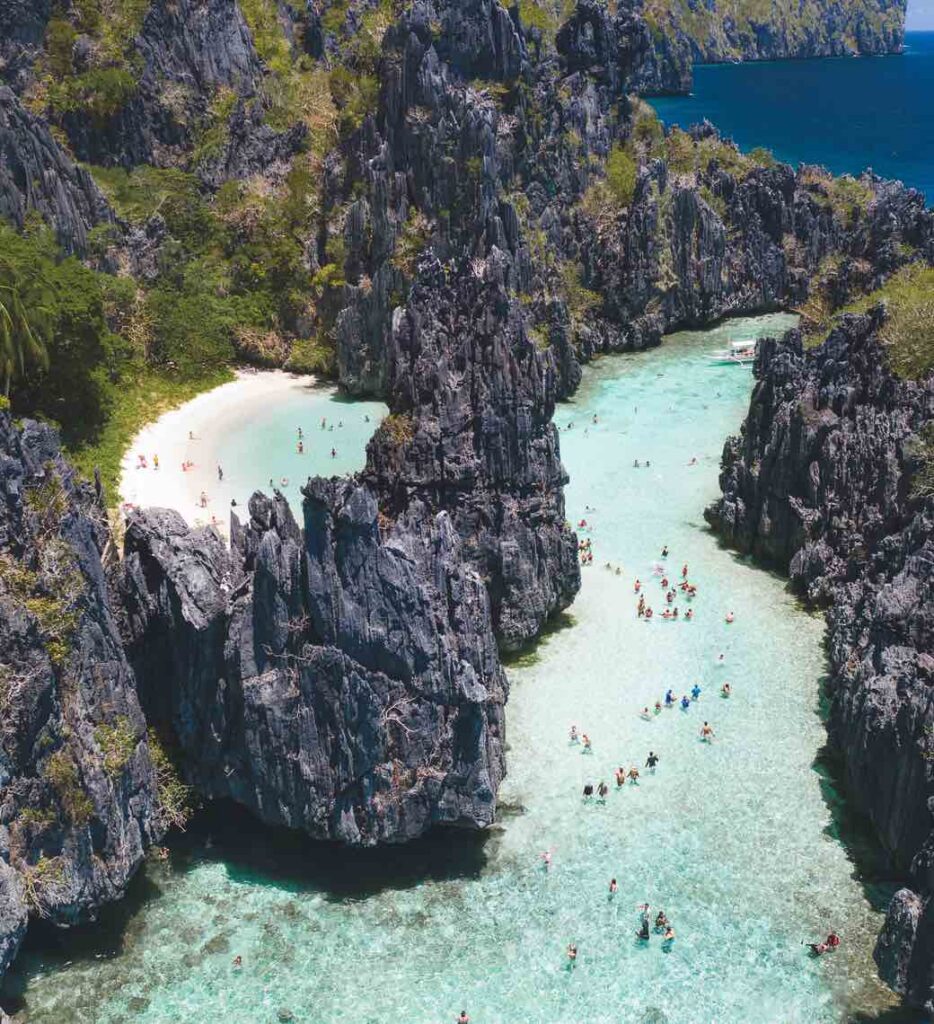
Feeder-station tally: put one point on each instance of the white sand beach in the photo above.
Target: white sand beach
(152, 471)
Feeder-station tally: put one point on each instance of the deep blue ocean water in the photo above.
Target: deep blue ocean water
(847, 113)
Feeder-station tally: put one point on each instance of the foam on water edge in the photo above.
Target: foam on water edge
(733, 840)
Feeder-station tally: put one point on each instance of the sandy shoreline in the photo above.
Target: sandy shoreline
(188, 435)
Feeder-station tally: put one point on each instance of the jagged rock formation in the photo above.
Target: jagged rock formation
(343, 680)
(462, 367)
(22, 31)
(36, 174)
(819, 484)
(189, 52)
(78, 794)
(686, 33)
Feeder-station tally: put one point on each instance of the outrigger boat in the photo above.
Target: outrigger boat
(739, 352)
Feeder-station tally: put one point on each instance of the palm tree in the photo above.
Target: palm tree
(25, 322)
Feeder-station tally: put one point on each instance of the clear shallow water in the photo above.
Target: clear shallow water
(265, 448)
(846, 114)
(734, 840)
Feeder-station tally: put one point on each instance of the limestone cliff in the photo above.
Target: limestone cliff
(820, 485)
(342, 679)
(79, 797)
(686, 33)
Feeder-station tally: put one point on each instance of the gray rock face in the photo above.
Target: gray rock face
(36, 174)
(344, 681)
(819, 485)
(13, 915)
(474, 399)
(188, 52)
(22, 31)
(78, 795)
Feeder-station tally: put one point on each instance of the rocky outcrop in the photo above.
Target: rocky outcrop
(819, 485)
(191, 54)
(471, 434)
(343, 680)
(78, 794)
(22, 32)
(36, 174)
(686, 33)
(689, 252)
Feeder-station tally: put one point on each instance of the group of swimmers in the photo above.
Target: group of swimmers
(663, 927)
(688, 591)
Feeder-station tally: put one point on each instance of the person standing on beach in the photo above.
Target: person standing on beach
(220, 473)
(204, 499)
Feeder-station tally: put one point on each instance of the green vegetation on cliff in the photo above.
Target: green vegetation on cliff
(908, 332)
(720, 30)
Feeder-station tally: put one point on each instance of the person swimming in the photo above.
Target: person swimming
(668, 938)
(572, 954)
(637, 586)
(658, 707)
(829, 944)
(695, 692)
(665, 551)
(546, 860)
(646, 714)
(588, 746)
(574, 737)
(602, 791)
(689, 614)
(651, 761)
(721, 660)
(730, 617)
(634, 776)
(620, 775)
(661, 921)
(726, 690)
(588, 791)
(614, 888)
(706, 733)
(684, 571)
(643, 933)
(669, 698)
(685, 703)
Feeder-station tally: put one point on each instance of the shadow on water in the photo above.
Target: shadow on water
(898, 1015)
(852, 829)
(251, 853)
(530, 654)
(254, 852)
(854, 832)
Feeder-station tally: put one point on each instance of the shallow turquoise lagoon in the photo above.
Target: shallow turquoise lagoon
(263, 452)
(734, 840)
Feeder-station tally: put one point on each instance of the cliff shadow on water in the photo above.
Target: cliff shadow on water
(251, 853)
(848, 827)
